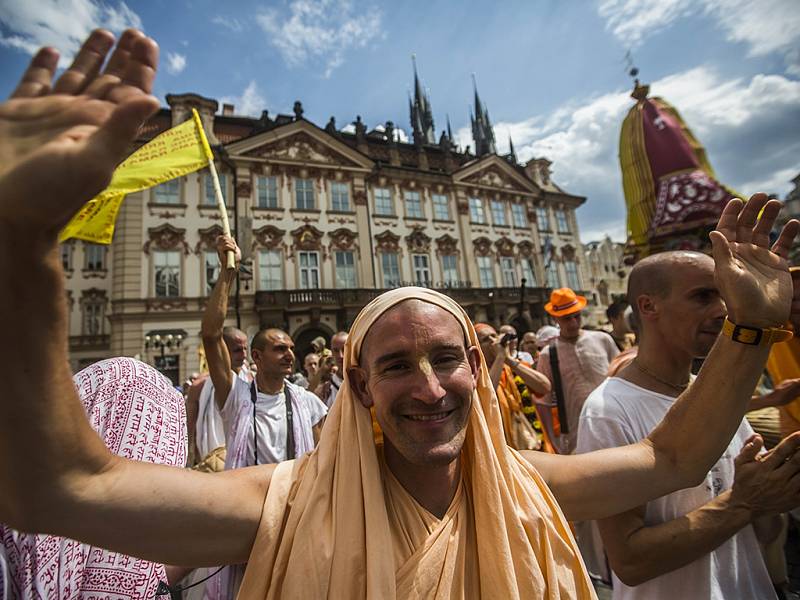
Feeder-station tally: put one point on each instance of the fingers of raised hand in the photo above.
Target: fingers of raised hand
(748, 217)
(765, 223)
(87, 63)
(750, 450)
(785, 240)
(115, 68)
(38, 76)
(139, 70)
(729, 218)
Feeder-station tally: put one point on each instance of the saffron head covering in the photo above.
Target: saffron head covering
(330, 521)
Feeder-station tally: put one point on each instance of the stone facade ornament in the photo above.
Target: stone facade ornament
(418, 242)
(387, 242)
(208, 238)
(483, 246)
(446, 245)
(505, 247)
(307, 237)
(344, 239)
(166, 237)
(269, 237)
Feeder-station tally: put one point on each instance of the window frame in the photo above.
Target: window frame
(445, 269)
(178, 268)
(209, 284)
(508, 268)
(390, 284)
(562, 222)
(406, 201)
(297, 191)
(157, 198)
(542, 218)
(266, 189)
(310, 269)
(208, 188)
(522, 221)
(390, 200)
(352, 267)
(444, 203)
(477, 209)
(343, 188)
(495, 204)
(417, 269)
(264, 269)
(488, 268)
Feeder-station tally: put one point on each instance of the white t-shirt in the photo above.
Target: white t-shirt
(270, 419)
(618, 413)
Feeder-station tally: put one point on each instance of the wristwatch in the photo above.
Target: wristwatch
(755, 336)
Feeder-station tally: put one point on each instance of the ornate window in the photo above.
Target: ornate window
(571, 269)
(168, 192)
(476, 212)
(499, 213)
(551, 271)
(441, 207)
(509, 271)
(528, 272)
(518, 215)
(267, 188)
(210, 269)
(413, 205)
(422, 270)
(210, 196)
(94, 257)
(66, 255)
(449, 269)
(561, 221)
(93, 306)
(345, 269)
(166, 245)
(309, 269)
(167, 273)
(485, 271)
(340, 197)
(383, 202)
(543, 218)
(270, 269)
(390, 269)
(304, 194)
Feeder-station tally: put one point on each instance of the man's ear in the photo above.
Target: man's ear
(647, 305)
(474, 358)
(358, 383)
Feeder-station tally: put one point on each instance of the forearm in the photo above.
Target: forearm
(684, 446)
(649, 552)
(44, 432)
(496, 371)
(537, 383)
(213, 320)
(768, 527)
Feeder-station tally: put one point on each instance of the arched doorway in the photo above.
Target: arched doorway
(302, 340)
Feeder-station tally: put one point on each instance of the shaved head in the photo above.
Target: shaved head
(231, 334)
(654, 275)
(262, 337)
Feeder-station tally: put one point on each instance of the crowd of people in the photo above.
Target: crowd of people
(416, 455)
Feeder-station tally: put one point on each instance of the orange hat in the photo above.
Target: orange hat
(563, 302)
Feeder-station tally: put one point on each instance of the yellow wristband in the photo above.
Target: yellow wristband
(754, 336)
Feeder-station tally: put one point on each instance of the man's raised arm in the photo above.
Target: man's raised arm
(757, 288)
(217, 355)
(59, 145)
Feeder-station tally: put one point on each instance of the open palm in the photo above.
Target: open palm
(59, 144)
(753, 279)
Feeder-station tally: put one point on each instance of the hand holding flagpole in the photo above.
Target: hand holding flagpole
(223, 210)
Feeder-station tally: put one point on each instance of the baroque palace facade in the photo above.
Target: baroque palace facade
(326, 220)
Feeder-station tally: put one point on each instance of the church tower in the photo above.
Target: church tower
(482, 132)
(420, 111)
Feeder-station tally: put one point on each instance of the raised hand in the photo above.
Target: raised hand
(60, 143)
(753, 279)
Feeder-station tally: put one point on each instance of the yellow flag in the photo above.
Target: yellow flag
(176, 152)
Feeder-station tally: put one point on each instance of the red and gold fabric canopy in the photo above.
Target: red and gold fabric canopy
(672, 195)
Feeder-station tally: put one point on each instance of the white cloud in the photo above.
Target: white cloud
(251, 103)
(748, 126)
(765, 26)
(176, 63)
(320, 31)
(231, 23)
(32, 24)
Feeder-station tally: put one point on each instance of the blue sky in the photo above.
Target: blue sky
(551, 72)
